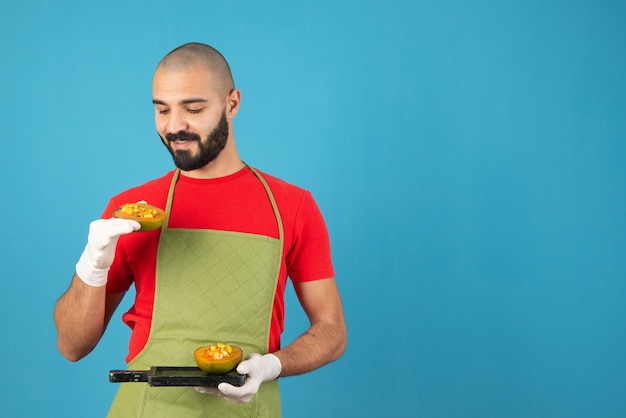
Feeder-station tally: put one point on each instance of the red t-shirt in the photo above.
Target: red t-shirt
(236, 203)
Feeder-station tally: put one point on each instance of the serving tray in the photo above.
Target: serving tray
(175, 376)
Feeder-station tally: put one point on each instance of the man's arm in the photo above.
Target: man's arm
(326, 338)
(81, 316)
(83, 312)
(323, 342)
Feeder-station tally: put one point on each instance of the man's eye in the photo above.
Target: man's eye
(194, 111)
(163, 111)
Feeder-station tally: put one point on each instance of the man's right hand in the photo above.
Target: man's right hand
(93, 265)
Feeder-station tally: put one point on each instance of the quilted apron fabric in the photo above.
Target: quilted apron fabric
(211, 286)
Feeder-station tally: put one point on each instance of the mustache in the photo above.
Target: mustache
(182, 136)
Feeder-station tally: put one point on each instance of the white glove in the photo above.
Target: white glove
(93, 265)
(258, 369)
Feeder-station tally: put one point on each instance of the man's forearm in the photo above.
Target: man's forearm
(322, 343)
(79, 319)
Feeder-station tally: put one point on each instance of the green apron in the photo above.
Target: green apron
(211, 286)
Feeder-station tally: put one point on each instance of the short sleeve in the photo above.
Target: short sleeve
(309, 257)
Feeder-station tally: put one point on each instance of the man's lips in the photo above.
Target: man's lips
(182, 143)
(181, 140)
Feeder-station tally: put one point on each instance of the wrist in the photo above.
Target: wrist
(274, 365)
(90, 275)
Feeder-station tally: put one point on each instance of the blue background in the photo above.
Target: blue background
(469, 158)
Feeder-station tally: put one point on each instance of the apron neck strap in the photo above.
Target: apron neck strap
(170, 198)
(272, 201)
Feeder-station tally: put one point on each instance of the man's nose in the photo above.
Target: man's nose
(177, 122)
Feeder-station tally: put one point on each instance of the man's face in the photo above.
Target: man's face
(190, 116)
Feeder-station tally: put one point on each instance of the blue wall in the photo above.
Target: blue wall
(468, 156)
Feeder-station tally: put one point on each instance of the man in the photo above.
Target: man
(216, 271)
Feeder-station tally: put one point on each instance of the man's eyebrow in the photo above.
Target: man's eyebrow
(193, 100)
(183, 102)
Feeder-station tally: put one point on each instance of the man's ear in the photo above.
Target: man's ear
(232, 103)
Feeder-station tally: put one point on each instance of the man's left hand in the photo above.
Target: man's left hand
(257, 368)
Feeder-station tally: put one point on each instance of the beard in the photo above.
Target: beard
(208, 150)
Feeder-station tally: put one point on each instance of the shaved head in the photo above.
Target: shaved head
(194, 54)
